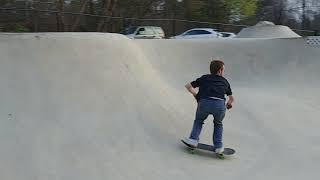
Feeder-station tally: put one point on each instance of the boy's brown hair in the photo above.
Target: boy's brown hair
(215, 66)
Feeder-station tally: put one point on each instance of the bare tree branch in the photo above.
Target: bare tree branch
(108, 9)
(78, 19)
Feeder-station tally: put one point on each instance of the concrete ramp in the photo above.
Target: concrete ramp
(100, 106)
(266, 29)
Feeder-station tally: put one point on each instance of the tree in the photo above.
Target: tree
(78, 18)
(296, 13)
(272, 10)
(221, 10)
(316, 24)
(59, 15)
(241, 10)
(216, 11)
(108, 10)
(139, 8)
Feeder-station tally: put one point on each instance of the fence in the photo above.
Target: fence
(48, 21)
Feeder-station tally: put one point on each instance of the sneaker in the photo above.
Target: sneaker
(219, 150)
(191, 142)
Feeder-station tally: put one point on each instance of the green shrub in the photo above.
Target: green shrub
(20, 28)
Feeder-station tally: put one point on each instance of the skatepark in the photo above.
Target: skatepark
(101, 106)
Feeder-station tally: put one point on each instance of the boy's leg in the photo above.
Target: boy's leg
(201, 115)
(218, 129)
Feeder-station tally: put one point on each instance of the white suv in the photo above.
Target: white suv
(143, 32)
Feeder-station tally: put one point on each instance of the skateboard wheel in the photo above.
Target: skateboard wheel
(220, 156)
(192, 151)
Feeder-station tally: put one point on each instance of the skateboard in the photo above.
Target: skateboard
(206, 147)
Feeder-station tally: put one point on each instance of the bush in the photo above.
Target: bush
(21, 28)
(16, 28)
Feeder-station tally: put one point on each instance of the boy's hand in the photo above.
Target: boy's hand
(230, 101)
(229, 105)
(191, 90)
(195, 96)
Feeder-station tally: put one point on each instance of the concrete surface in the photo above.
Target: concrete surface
(266, 29)
(100, 106)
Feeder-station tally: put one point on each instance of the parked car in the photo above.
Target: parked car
(198, 33)
(143, 32)
(228, 34)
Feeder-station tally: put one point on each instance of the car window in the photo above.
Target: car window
(129, 30)
(203, 32)
(140, 30)
(197, 32)
(225, 34)
(147, 31)
(193, 32)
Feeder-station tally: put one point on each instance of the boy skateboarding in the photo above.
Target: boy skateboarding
(211, 99)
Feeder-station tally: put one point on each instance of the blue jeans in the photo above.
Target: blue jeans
(206, 107)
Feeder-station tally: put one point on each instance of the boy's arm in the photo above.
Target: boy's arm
(191, 89)
(230, 101)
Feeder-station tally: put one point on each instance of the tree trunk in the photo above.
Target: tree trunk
(59, 16)
(35, 16)
(304, 20)
(278, 12)
(108, 9)
(78, 18)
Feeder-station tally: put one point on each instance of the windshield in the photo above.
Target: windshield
(225, 34)
(129, 30)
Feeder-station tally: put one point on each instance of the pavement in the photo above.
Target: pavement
(101, 106)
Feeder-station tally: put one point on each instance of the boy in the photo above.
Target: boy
(211, 100)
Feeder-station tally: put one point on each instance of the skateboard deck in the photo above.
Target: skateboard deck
(206, 147)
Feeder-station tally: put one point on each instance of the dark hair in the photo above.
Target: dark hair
(215, 66)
